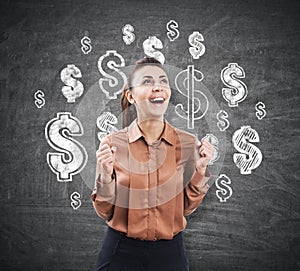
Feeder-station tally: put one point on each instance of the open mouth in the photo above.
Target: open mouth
(157, 100)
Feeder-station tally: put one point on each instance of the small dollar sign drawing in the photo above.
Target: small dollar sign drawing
(237, 90)
(75, 200)
(198, 48)
(197, 102)
(213, 140)
(129, 36)
(150, 45)
(250, 156)
(74, 88)
(223, 122)
(39, 98)
(224, 191)
(105, 124)
(260, 110)
(86, 45)
(111, 85)
(172, 27)
(71, 156)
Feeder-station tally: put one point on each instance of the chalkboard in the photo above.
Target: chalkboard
(250, 218)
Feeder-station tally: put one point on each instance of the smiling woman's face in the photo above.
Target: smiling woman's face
(150, 92)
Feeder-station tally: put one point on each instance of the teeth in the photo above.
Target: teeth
(157, 100)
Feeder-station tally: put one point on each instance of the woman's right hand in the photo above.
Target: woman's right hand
(106, 156)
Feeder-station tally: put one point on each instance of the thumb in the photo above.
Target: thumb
(196, 150)
(114, 150)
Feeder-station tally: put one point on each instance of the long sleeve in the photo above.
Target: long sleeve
(103, 195)
(196, 188)
(195, 191)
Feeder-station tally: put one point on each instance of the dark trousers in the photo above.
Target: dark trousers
(120, 253)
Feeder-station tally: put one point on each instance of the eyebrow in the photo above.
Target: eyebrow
(149, 76)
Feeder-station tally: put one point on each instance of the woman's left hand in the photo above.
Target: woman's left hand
(204, 153)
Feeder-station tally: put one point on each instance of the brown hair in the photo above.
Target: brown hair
(128, 111)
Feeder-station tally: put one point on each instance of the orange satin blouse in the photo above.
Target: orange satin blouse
(153, 186)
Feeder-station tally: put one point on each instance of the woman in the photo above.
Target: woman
(149, 176)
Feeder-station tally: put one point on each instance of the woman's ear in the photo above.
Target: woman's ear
(129, 96)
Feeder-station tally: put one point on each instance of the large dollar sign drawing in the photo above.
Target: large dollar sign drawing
(197, 49)
(39, 98)
(260, 110)
(224, 191)
(74, 88)
(86, 45)
(223, 122)
(111, 85)
(213, 140)
(250, 156)
(71, 156)
(105, 123)
(75, 200)
(172, 27)
(150, 45)
(128, 37)
(197, 102)
(237, 90)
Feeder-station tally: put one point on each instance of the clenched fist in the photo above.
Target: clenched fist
(106, 157)
(204, 153)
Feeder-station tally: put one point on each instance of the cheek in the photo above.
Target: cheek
(140, 94)
(169, 93)
(140, 98)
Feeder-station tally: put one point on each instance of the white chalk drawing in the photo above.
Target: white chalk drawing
(237, 90)
(223, 122)
(260, 110)
(250, 157)
(71, 156)
(128, 36)
(39, 98)
(197, 102)
(198, 48)
(224, 190)
(86, 46)
(105, 123)
(74, 88)
(213, 140)
(150, 47)
(111, 85)
(172, 27)
(75, 200)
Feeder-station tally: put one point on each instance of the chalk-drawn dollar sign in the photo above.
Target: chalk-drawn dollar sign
(75, 200)
(105, 123)
(237, 90)
(213, 140)
(224, 191)
(74, 88)
(150, 47)
(86, 45)
(172, 27)
(197, 102)
(39, 98)
(128, 36)
(71, 156)
(198, 48)
(260, 110)
(250, 156)
(223, 122)
(111, 85)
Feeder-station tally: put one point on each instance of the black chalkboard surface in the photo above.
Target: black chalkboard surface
(250, 218)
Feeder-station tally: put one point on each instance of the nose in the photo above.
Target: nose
(157, 87)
